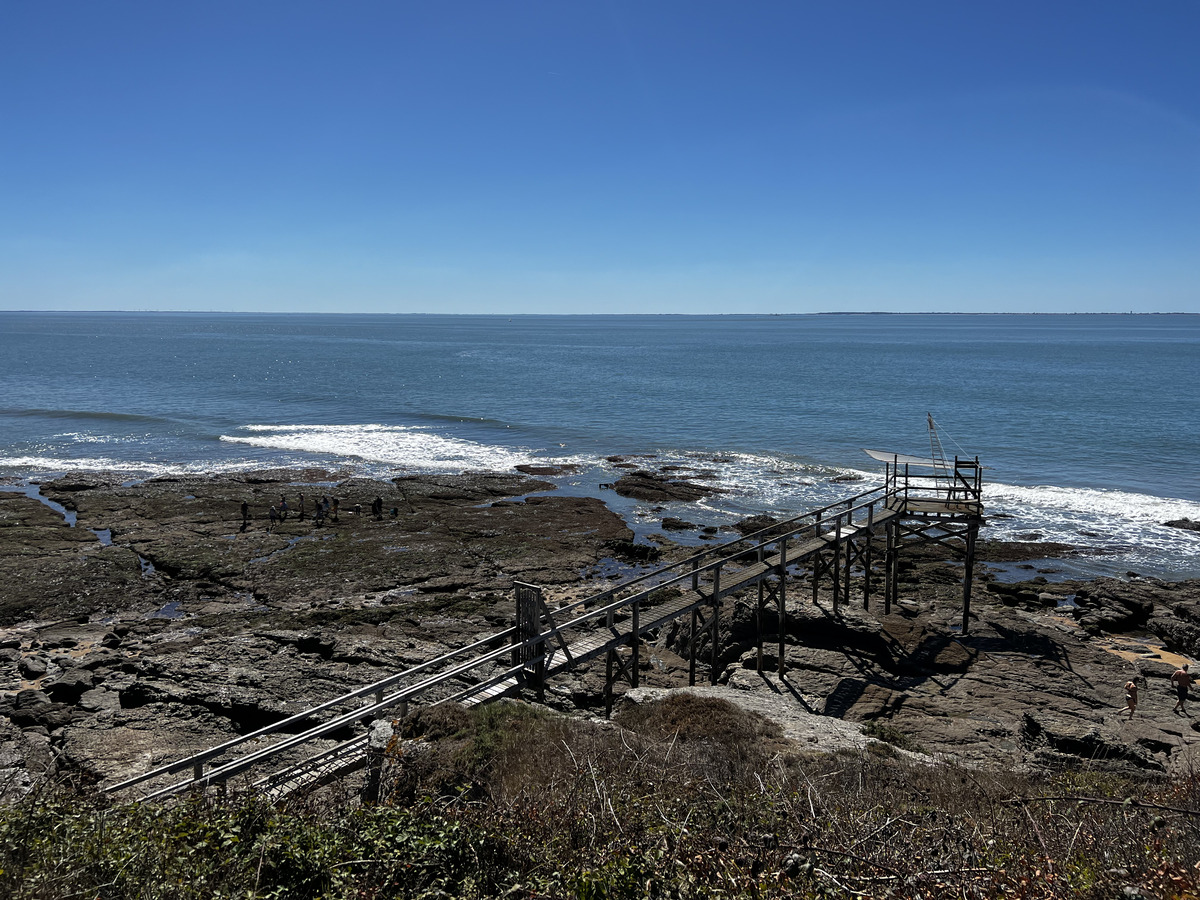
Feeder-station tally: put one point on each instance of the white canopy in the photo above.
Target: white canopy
(905, 460)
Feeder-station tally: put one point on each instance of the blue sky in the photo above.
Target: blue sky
(579, 157)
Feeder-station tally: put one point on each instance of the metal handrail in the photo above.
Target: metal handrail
(373, 688)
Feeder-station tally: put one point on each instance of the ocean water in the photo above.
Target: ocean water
(1089, 424)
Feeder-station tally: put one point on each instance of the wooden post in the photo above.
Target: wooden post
(609, 658)
(895, 563)
(782, 597)
(972, 534)
(608, 683)
(716, 620)
(692, 652)
(635, 637)
(837, 565)
(867, 560)
(849, 557)
(758, 625)
(889, 565)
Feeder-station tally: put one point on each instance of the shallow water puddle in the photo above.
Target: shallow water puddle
(292, 542)
(1137, 649)
(34, 492)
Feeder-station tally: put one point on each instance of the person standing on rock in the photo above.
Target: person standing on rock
(274, 519)
(1131, 697)
(283, 508)
(1182, 681)
(245, 514)
(336, 502)
(300, 504)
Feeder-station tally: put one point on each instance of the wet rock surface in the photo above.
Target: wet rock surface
(661, 487)
(188, 629)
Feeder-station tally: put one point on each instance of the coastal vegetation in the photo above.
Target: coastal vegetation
(679, 798)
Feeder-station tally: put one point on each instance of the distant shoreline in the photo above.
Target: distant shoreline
(515, 315)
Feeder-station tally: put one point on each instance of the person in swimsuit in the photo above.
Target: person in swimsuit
(1131, 696)
(1182, 681)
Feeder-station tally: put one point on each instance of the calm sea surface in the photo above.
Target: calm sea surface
(1090, 424)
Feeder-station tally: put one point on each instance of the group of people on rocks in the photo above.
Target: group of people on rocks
(317, 510)
(1181, 681)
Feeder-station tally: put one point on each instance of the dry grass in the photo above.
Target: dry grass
(685, 798)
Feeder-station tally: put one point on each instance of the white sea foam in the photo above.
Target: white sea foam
(53, 464)
(1118, 505)
(398, 445)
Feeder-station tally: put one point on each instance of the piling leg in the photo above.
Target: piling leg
(849, 560)
(716, 621)
(782, 614)
(608, 683)
(968, 575)
(837, 569)
(635, 645)
(780, 596)
(867, 568)
(889, 568)
(816, 575)
(692, 652)
(758, 625)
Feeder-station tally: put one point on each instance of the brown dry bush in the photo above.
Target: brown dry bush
(693, 797)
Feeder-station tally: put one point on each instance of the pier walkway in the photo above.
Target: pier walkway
(920, 501)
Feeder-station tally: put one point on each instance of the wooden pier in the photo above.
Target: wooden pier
(921, 500)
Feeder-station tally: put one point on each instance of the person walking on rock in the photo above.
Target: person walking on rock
(1182, 681)
(274, 519)
(1131, 697)
(283, 508)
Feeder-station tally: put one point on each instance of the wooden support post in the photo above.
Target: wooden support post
(716, 620)
(609, 659)
(692, 652)
(816, 574)
(889, 566)
(849, 561)
(608, 683)
(968, 575)
(636, 644)
(837, 566)
(867, 558)
(781, 596)
(758, 625)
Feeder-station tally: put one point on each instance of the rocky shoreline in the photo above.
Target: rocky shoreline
(150, 621)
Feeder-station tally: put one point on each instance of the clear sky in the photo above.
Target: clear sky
(597, 156)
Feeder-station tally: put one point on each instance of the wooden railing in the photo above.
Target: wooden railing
(508, 654)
